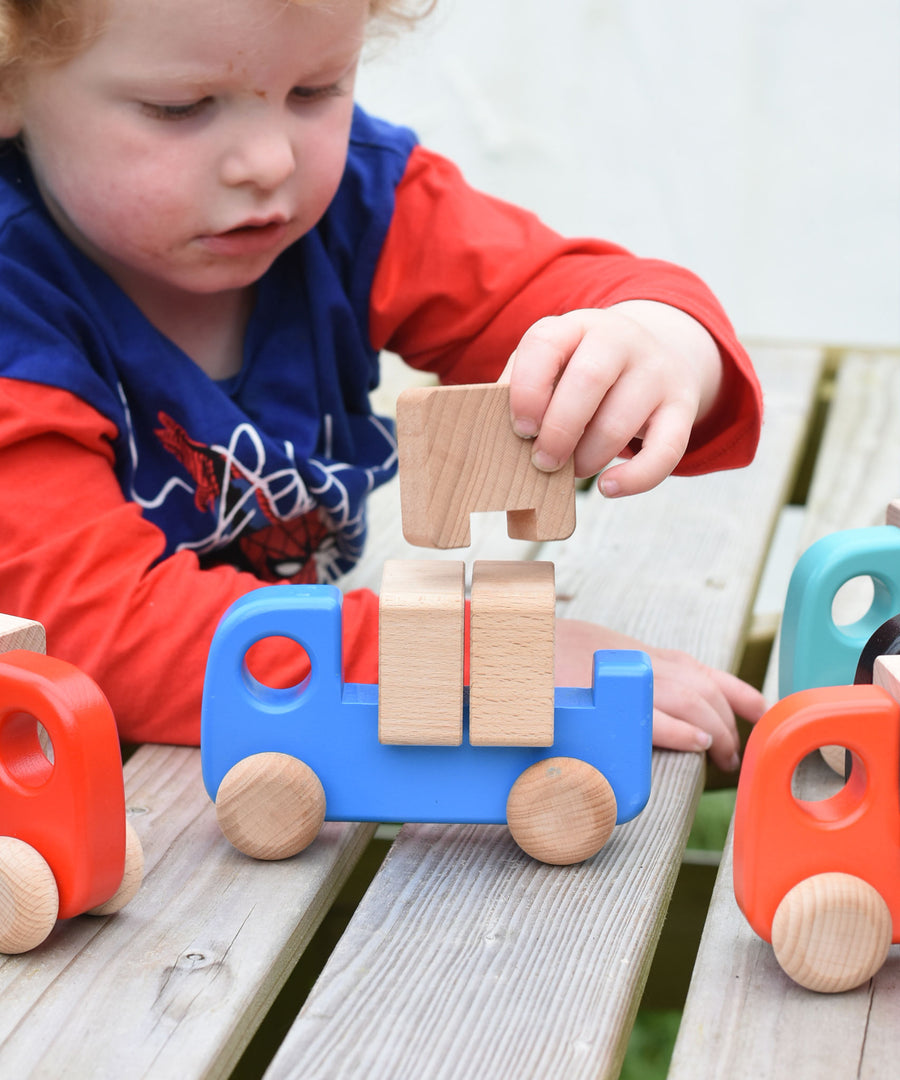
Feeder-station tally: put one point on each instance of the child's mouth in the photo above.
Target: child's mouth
(249, 239)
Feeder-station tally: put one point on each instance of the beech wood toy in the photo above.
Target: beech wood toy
(65, 847)
(278, 762)
(814, 650)
(820, 880)
(459, 454)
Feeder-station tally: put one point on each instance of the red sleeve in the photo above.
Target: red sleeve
(78, 557)
(462, 275)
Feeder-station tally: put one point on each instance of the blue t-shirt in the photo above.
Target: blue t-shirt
(268, 471)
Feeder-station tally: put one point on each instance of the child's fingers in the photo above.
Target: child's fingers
(701, 705)
(622, 417)
(534, 368)
(672, 733)
(745, 700)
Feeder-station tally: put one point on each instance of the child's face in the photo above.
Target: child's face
(191, 143)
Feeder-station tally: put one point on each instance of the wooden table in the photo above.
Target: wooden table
(464, 958)
(744, 1018)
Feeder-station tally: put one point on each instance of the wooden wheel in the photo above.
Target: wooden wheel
(29, 898)
(131, 878)
(561, 810)
(831, 932)
(270, 806)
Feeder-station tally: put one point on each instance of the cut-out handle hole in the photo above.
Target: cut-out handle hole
(26, 750)
(278, 662)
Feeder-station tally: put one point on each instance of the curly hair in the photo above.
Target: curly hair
(54, 30)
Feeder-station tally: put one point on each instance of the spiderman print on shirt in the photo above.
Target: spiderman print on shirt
(265, 518)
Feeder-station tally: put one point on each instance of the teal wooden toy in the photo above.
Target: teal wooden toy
(814, 650)
(278, 762)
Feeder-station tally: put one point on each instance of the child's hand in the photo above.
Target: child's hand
(694, 705)
(592, 380)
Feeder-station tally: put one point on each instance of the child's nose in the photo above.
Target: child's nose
(264, 158)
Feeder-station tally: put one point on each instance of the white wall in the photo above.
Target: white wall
(755, 141)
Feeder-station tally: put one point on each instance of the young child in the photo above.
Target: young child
(203, 247)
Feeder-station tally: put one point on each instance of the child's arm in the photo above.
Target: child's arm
(78, 557)
(592, 381)
(463, 276)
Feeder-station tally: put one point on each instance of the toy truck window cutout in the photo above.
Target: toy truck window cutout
(278, 762)
(65, 846)
(820, 880)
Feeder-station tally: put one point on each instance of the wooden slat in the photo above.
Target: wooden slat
(176, 983)
(743, 1017)
(467, 960)
(469, 950)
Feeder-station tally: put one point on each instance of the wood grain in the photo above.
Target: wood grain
(421, 631)
(175, 984)
(465, 958)
(459, 455)
(469, 958)
(16, 633)
(513, 616)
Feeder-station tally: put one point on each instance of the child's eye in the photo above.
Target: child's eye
(317, 93)
(175, 111)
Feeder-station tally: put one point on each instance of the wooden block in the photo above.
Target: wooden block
(16, 633)
(459, 455)
(511, 654)
(892, 516)
(886, 673)
(420, 652)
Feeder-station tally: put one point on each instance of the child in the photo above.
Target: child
(203, 246)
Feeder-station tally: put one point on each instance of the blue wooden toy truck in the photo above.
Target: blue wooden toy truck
(278, 762)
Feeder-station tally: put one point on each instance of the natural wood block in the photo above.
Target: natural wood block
(420, 652)
(892, 516)
(511, 654)
(459, 455)
(16, 633)
(886, 673)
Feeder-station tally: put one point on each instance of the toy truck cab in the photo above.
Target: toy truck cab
(278, 762)
(65, 847)
(814, 649)
(820, 880)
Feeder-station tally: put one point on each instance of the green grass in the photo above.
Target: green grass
(650, 1048)
(710, 827)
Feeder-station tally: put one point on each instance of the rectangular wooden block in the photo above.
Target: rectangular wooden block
(892, 515)
(511, 654)
(420, 652)
(886, 674)
(16, 633)
(459, 455)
